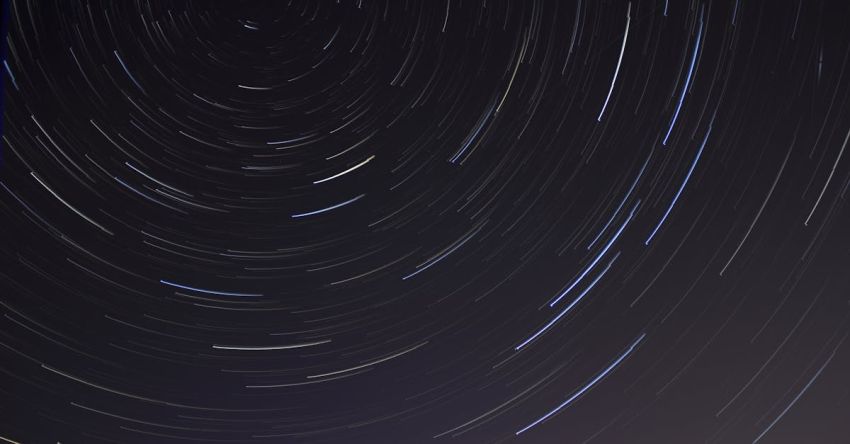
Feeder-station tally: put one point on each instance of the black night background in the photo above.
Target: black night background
(450, 221)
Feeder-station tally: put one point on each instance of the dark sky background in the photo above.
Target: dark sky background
(425, 222)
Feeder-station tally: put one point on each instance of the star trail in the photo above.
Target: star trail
(340, 221)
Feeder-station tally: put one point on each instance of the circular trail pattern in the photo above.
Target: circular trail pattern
(402, 221)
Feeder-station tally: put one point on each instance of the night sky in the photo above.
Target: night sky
(449, 221)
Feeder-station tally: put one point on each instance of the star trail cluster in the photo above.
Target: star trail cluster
(437, 221)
